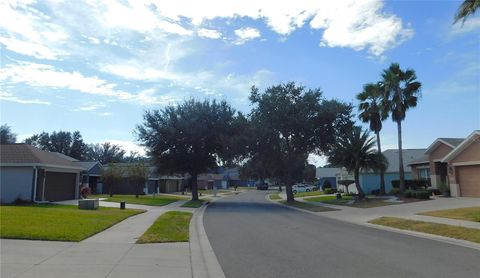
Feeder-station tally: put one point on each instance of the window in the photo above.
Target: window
(424, 173)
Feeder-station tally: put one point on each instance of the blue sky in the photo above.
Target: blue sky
(95, 66)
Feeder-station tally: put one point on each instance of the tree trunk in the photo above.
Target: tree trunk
(382, 173)
(110, 190)
(137, 190)
(194, 187)
(361, 194)
(400, 157)
(289, 191)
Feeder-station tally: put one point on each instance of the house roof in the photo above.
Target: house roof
(421, 160)
(451, 142)
(409, 155)
(66, 156)
(462, 146)
(87, 164)
(28, 155)
(326, 172)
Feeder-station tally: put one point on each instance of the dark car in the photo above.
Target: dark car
(262, 186)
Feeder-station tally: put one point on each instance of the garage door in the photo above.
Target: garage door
(58, 186)
(469, 180)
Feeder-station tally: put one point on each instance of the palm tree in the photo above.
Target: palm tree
(466, 9)
(372, 112)
(356, 151)
(401, 93)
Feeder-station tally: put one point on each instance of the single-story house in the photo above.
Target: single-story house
(91, 176)
(222, 178)
(327, 174)
(30, 174)
(454, 162)
(156, 183)
(371, 181)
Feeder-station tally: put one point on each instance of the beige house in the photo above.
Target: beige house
(454, 162)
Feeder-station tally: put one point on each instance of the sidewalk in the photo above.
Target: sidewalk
(403, 210)
(110, 253)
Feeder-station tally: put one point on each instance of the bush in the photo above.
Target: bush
(375, 192)
(85, 191)
(435, 191)
(329, 190)
(395, 191)
(408, 193)
(326, 184)
(422, 194)
(411, 184)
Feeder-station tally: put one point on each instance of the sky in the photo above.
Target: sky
(96, 66)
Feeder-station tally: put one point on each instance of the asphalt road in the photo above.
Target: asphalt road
(252, 237)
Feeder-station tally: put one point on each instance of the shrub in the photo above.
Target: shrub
(85, 191)
(408, 193)
(422, 194)
(395, 191)
(329, 190)
(326, 184)
(411, 184)
(375, 192)
(435, 191)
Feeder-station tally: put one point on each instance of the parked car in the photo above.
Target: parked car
(262, 186)
(301, 188)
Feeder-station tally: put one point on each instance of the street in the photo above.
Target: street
(253, 237)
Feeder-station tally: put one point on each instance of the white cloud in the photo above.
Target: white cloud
(470, 25)
(246, 34)
(42, 75)
(91, 107)
(209, 33)
(5, 96)
(105, 114)
(129, 146)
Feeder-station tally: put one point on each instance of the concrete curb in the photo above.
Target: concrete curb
(202, 257)
(454, 241)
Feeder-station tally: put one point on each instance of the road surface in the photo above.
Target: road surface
(252, 237)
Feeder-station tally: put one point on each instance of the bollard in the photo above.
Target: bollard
(122, 205)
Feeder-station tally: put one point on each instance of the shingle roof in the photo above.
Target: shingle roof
(86, 164)
(409, 155)
(423, 159)
(28, 155)
(453, 141)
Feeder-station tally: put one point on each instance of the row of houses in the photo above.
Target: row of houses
(453, 162)
(30, 174)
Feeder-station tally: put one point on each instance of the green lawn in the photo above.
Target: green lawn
(57, 222)
(172, 226)
(430, 228)
(275, 197)
(469, 214)
(210, 191)
(311, 193)
(306, 206)
(159, 200)
(194, 204)
(345, 201)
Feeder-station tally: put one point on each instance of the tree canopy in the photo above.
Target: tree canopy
(105, 153)
(6, 135)
(64, 142)
(294, 122)
(191, 137)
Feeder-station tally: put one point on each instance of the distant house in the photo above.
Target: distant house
(222, 178)
(91, 175)
(156, 183)
(454, 162)
(371, 181)
(327, 174)
(30, 174)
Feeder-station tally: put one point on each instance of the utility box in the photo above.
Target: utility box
(88, 204)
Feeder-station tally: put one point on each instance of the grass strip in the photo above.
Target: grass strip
(275, 197)
(445, 230)
(172, 226)
(193, 204)
(58, 222)
(468, 214)
(306, 206)
(149, 200)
